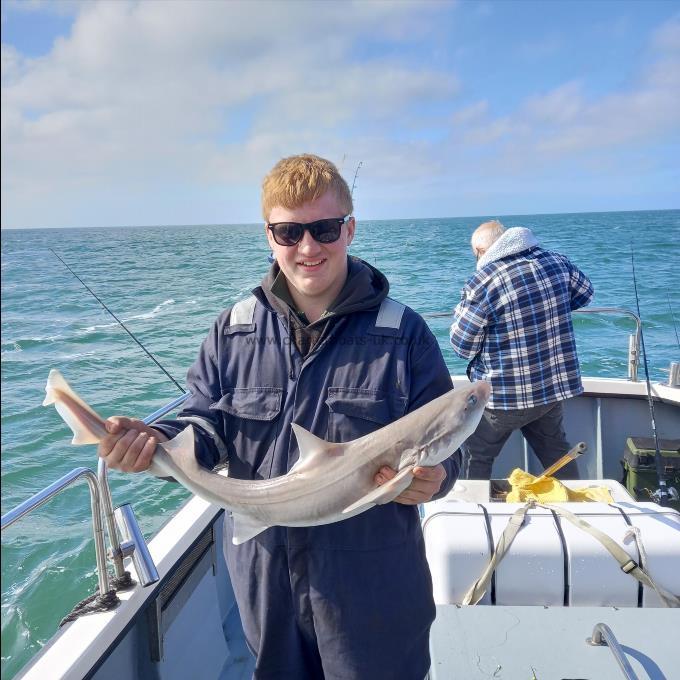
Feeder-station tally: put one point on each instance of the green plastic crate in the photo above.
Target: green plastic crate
(639, 466)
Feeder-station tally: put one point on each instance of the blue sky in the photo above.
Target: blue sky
(171, 112)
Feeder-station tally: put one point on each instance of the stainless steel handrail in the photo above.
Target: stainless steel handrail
(135, 546)
(102, 474)
(107, 502)
(163, 410)
(603, 636)
(100, 499)
(52, 490)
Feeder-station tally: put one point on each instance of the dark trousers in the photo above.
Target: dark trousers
(541, 426)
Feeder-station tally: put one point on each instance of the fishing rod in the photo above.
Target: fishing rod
(661, 495)
(354, 181)
(125, 328)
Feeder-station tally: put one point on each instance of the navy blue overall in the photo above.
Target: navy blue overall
(350, 600)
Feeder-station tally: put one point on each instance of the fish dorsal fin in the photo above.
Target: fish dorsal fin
(245, 528)
(311, 447)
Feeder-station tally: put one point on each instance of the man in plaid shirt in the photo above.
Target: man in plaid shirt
(514, 325)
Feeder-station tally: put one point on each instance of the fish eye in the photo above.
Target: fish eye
(472, 400)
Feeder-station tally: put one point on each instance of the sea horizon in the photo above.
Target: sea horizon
(359, 219)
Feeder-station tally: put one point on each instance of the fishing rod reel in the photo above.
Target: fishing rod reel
(663, 495)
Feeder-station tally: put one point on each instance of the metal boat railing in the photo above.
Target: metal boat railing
(50, 492)
(633, 338)
(101, 503)
(118, 550)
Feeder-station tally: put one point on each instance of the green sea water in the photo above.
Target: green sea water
(167, 284)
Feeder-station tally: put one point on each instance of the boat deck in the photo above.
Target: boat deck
(547, 643)
(240, 663)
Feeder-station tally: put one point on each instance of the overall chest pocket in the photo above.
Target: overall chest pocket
(251, 427)
(354, 412)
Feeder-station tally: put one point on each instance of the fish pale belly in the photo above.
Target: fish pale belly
(320, 500)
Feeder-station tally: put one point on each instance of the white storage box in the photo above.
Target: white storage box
(551, 561)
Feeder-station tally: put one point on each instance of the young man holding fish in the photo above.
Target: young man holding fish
(321, 345)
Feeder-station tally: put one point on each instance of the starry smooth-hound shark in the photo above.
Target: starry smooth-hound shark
(328, 483)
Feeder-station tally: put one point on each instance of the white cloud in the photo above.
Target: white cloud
(541, 47)
(490, 132)
(471, 114)
(565, 123)
(12, 64)
(667, 37)
(561, 106)
(141, 88)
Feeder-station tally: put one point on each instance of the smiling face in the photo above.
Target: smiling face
(316, 272)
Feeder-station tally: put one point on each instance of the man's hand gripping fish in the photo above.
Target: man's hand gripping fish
(328, 483)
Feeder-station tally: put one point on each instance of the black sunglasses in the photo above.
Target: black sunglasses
(323, 231)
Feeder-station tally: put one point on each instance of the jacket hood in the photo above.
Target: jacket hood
(365, 288)
(511, 242)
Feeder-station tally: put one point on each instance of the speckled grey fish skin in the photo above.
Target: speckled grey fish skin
(330, 482)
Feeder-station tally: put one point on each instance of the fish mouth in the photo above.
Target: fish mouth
(483, 390)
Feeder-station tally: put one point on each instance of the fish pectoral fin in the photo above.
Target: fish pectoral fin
(384, 493)
(165, 463)
(245, 528)
(182, 444)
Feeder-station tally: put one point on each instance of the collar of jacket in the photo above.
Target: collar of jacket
(365, 288)
(511, 242)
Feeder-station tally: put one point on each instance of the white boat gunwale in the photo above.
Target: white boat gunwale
(99, 633)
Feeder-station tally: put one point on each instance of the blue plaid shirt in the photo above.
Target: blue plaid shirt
(514, 323)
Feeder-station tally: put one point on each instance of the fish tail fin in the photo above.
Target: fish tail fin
(55, 382)
(86, 424)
